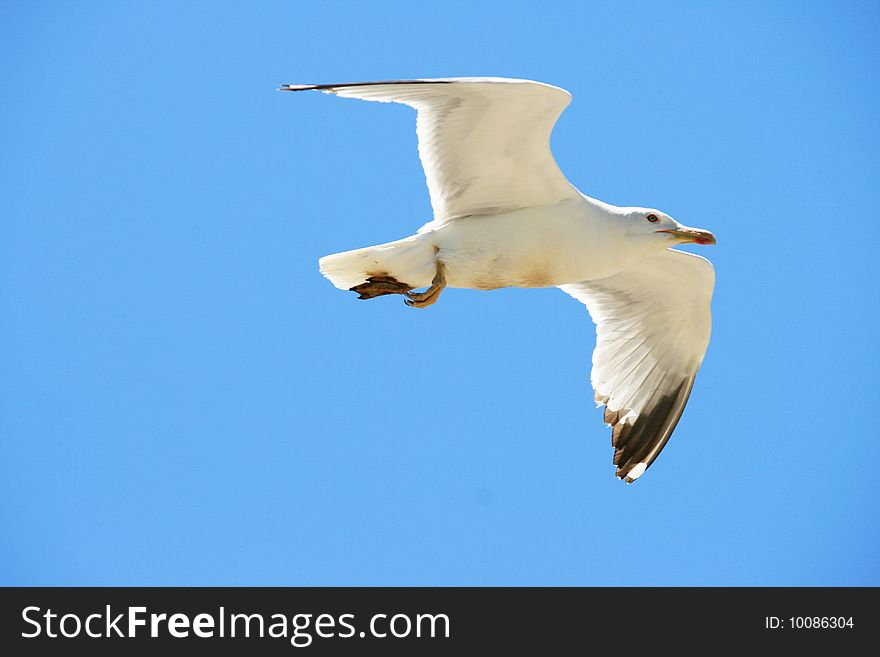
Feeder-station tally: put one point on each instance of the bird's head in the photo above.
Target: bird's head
(661, 229)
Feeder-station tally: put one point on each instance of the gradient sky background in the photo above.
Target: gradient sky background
(185, 400)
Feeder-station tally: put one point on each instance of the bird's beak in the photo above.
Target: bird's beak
(686, 235)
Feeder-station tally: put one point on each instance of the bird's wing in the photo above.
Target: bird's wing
(652, 325)
(484, 142)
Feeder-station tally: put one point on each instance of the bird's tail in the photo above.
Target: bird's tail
(410, 261)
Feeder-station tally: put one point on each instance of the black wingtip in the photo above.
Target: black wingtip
(342, 85)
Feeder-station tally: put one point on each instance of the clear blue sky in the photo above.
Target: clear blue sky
(185, 400)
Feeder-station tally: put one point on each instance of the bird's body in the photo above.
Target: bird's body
(533, 247)
(505, 216)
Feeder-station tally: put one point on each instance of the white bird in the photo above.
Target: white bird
(504, 215)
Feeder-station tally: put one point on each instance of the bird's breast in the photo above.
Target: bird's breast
(527, 248)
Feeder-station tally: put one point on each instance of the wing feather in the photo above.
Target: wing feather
(652, 324)
(484, 143)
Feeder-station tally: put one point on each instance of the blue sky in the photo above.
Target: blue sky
(185, 400)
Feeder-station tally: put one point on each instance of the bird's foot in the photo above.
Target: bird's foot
(428, 297)
(376, 286)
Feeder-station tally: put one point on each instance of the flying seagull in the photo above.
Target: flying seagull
(504, 215)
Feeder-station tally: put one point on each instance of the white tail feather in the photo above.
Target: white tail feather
(410, 261)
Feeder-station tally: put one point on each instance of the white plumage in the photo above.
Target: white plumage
(504, 215)
(652, 329)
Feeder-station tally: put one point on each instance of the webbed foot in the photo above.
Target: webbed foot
(376, 286)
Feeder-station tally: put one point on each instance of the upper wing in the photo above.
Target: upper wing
(652, 326)
(484, 142)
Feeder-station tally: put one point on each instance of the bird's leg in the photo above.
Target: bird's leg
(429, 296)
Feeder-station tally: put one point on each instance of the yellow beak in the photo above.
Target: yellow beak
(691, 235)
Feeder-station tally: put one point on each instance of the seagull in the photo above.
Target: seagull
(506, 216)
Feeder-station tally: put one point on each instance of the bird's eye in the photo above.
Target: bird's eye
(653, 218)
